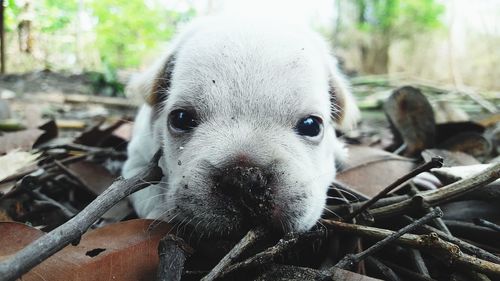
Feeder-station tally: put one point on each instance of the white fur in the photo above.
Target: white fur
(250, 82)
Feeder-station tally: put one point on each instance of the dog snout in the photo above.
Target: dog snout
(238, 180)
(248, 187)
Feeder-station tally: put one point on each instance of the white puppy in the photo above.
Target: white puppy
(245, 112)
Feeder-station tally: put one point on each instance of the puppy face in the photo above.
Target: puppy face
(245, 117)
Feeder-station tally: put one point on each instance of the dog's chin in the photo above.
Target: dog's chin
(213, 227)
(233, 224)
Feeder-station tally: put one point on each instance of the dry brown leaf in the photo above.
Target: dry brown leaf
(94, 175)
(22, 140)
(369, 170)
(412, 119)
(124, 131)
(451, 158)
(97, 135)
(14, 161)
(122, 251)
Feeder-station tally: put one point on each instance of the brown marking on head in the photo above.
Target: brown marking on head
(161, 84)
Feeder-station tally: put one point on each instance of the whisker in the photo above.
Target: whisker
(332, 212)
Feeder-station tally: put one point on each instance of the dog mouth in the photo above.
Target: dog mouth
(236, 199)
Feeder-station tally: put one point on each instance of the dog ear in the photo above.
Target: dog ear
(344, 111)
(153, 84)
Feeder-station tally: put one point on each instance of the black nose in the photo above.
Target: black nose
(249, 187)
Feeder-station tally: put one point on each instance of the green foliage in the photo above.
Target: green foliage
(127, 30)
(12, 10)
(106, 83)
(399, 18)
(49, 15)
(55, 15)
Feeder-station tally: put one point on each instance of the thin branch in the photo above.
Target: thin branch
(444, 194)
(248, 240)
(47, 245)
(172, 252)
(435, 162)
(407, 273)
(465, 246)
(266, 256)
(270, 253)
(352, 259)
(488, 224)
(383, 269)
(431, 242)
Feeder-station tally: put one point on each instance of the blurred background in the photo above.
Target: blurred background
(454, 43)
(444, 45)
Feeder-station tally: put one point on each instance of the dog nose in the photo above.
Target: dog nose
(249, 187)
(238, 180)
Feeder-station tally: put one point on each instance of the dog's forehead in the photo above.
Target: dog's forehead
(250, 71)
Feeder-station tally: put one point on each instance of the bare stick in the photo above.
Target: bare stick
(444, 194)
(467, 247)
(383, 269)
(352, 259)
(266, 256)
(431, 242)
(69, 160)
(418, 262)
(435, 162)
(248, 240)
(172, 252)
(407, 273)
(488, 224)
(47, 245)
(270, 253)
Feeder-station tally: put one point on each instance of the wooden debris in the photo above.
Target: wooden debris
(13, 267)
(173, 252)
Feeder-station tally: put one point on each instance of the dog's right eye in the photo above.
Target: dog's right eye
(182, 120)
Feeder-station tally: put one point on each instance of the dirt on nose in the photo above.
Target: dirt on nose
(249, 188)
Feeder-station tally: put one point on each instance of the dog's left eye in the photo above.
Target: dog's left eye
(182, 120)
(309, 126)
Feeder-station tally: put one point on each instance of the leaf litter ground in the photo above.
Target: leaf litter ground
(60, 152)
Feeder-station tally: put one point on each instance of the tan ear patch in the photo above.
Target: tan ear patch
(161, 83)
(337, 105)
(344, 111)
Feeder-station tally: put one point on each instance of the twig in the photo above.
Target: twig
(69, 160)
(265, 256)
(380, 203)
(383, 269)
(435, 162)
(444, 194)
(248, 240)
(72, 175)
(488, 224)
(172, 252)
(270, 253)
(407, 273)
(467, 247)
(67, 212)
(431, 242)
(349, 260)
(419, 262)
(45, 246)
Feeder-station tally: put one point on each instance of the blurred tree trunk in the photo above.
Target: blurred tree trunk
(24, 30)
(2, 37)
(374, 49)
(375, 55)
